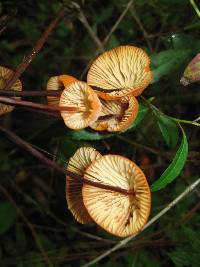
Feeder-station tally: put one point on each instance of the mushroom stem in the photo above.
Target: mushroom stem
(14, 93)
(15, 102)
(28, 147)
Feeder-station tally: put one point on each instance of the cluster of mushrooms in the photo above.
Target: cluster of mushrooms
(107, 101)
(118, 213)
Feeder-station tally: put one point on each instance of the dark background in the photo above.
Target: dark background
(34, 221)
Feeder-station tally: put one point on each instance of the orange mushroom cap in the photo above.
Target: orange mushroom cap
(5, 75)
(117, 115)
(80, 161)
(121, 71)
(78, 94)
(58, 83)
(120, 214)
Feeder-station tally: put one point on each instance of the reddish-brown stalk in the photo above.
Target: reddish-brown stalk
(29, 104)
(51, 164)
(13, 93)
(38, 46)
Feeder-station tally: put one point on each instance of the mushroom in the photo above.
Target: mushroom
(88, 106)
(5, 75)
(119, 214)
(121, 71)
(78, 163)
(117, 115)
(58, 83)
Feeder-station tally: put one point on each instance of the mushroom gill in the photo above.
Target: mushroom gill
(116, 115)
(121, 215)
(78, 163)
(121, 71)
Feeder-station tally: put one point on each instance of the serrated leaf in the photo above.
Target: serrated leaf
(92, 135)
(174, 168)
(169, 130)
(7, 216)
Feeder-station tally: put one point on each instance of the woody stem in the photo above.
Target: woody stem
(51, 164)
(29, 104)
(35, 50)
(13, 93)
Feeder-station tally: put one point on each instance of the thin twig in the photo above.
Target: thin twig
(152, 150)
(31, 93)
(29, 225)
(38, 46)
(94, 37)
(144, 32)
(122, 243)
(114, 27)
(51, 164)
(29, 104)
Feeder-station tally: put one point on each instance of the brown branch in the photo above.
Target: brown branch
(14, 93)
(50, 108)
(112, 30)
(38, 46)
(51, 164)
(92, 34)
(141, 26)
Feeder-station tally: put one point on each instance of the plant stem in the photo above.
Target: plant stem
(14, 93)
(38, 46)
(155, 110)
(192, 2)
(184, 121)
(51, 164)
(50, 108)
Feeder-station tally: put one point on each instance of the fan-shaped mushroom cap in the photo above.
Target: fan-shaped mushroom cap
(117, 115)
(80, 161)
(80, 95)
(58, 83)
(119, 214)
(5, 75)
(121, 71)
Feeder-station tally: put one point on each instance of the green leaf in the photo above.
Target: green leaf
(92, 135)
(168, 61)
(174, 168)
(7, 216)
(169, 130)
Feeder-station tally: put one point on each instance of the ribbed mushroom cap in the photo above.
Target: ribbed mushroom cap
(58, 83)
(117, 115)
(78, 94)
(122, 215)
(80, 161)
(5, 75)
(121, 71)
